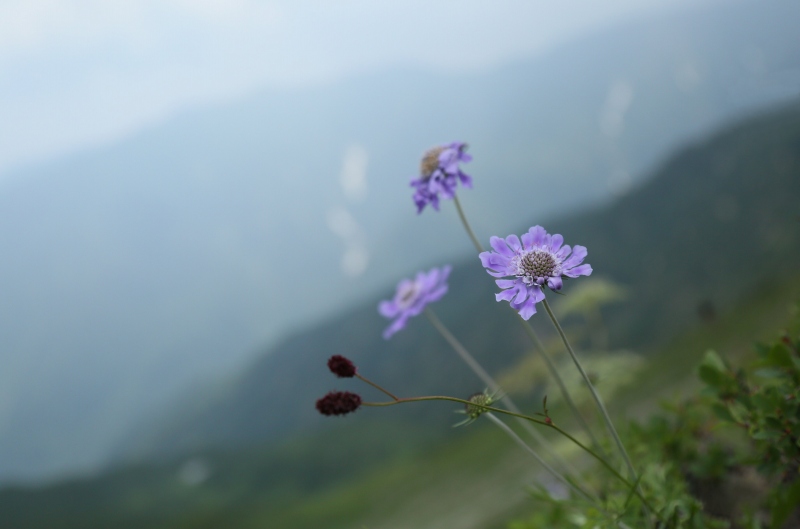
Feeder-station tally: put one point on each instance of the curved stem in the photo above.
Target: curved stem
(580, 445)
(598, 401)
(511, 433)
(495, 387)
(466, 225)
(376, 386)
(551, 367)
(594, 392)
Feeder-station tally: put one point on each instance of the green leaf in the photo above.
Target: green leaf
(786, 502)
(766, 435)
(722, 412)
(779, 356)
(763, 403)
(769, 372)
(714, 361)
(738, 412)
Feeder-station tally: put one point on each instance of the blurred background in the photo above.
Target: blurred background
(200, 201)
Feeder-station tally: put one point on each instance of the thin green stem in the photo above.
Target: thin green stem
(594, 392)
(551, 367)
(599, 401)
(550, 424)
(553, 472)
(466, 225)
(376, 386)
(494, 386)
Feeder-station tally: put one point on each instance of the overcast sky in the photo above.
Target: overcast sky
(75, 73)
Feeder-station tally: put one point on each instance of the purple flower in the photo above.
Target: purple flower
(439, 174)
(539, 261)
(412, 296)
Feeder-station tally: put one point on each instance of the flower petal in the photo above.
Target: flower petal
(556, 242)
(527, 310)
(536, 294)
(396, 325)
(522, 293)
(500, 246)
(513, 243)
(527, 240)
(506, 283)
(555, 283)
(582, 270)
(578, 255)
(495, 261)
(539, 234)
(436, 294)
(388, 309)
(505, 295)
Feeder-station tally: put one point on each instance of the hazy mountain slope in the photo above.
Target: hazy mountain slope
(370, 469)
(131, 271)
(715, 222)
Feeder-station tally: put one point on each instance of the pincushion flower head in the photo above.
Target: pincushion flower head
(539, 260)
(412, 296)
(439, 174)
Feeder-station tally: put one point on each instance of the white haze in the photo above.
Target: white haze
(76, 73)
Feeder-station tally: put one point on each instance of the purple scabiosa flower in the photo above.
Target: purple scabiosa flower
(539, 260)
(338, 403)
(341, 367)
(439, 174)
(412, 296)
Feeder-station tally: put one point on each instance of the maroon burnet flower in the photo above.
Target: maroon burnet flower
(341, 367)
(338, 403)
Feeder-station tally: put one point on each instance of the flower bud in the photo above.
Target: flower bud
(482, 399)
(341, 367)
(338, 403)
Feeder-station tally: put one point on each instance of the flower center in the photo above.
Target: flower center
(430, 161)
(407, 295)
(536, 266)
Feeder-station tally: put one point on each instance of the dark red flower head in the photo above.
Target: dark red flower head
(338, 403)
(341, 367)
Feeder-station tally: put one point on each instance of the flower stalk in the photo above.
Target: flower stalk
(635, 490)
(553, 472)
(487, 379)
(593, 391)
(466, 224)
(631, 470)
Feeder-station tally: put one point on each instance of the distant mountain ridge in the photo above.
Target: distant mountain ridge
(134, 271)
(716, 221)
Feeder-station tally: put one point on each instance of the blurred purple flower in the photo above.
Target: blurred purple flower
(439, 174)
(539, 260)
(412, 296)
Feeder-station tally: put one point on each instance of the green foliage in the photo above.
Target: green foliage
(727, 457)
